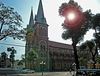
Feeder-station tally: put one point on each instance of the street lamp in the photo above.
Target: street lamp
(42, 63)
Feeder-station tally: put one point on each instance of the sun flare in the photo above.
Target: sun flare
(71, 16)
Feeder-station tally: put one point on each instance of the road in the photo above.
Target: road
(44, 74)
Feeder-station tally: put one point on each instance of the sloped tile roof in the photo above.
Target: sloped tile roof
(59, 45)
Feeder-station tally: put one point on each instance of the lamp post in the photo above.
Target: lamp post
(42, 63)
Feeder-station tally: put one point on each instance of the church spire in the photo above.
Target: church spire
(40, 14)
(31, 21)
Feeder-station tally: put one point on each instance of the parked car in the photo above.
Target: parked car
(28, 71)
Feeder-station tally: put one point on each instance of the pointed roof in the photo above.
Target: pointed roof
(71, 0)
(31, 21)
(40, 14)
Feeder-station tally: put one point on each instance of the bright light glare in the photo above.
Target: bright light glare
(71, 16)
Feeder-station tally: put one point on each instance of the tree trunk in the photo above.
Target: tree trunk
(96, 50)
(93, 58)
(75, 55)
(1, 27)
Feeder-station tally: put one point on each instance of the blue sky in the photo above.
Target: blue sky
(23, 7)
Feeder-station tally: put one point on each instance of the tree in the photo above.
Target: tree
(29, 35)
(17, 60)
(12, 55)
(23, 57)
(90, 45)
(20, 63)
(12, 20)
(82, 61)
(96, 22)
(97, 60)
(96, 27)
(31, 57)
(75, 33)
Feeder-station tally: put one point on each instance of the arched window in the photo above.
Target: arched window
(45, 32)
(42, 46)
(41, 55)
(41, 31)
(44, 54)
(35, 32)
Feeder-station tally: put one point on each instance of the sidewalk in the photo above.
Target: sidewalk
(46, 74)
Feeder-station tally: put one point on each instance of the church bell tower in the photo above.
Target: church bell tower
(40, 40)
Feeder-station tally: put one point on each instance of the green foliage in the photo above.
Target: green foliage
(12, 55)
(83, 47)
(82, 61)
(29, 34)
(77, 32)
(96, 27)
(97, 60)
(12, 20)
(62, 8)
(29, 31)
(20, 63)
(31, 55)
(89, 45)
(96, 21)
(97, 39)
(23, 57)
(17, 60)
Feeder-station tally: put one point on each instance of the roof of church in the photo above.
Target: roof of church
(59, 45)
(39, 18)
(31, 21)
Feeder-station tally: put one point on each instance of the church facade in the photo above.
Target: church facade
(55, 55)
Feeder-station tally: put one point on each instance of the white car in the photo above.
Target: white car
(28, 71)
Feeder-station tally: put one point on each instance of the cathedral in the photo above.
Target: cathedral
(56, 56)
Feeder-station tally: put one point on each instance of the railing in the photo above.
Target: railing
(94, 72)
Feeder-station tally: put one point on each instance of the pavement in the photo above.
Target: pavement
(9, 71)
(44, 74)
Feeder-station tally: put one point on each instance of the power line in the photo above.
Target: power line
(18, 45)
(12, 44)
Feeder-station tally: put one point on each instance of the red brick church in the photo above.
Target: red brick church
(55, 55)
